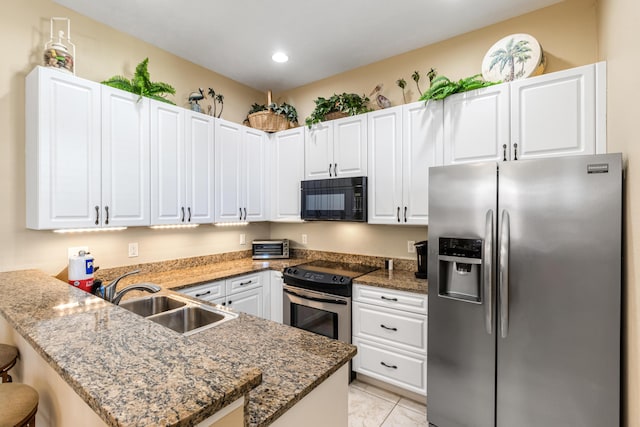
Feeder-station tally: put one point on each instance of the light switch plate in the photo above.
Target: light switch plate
(243, 239)
(304, 239)
(411, 248)
(133, 250)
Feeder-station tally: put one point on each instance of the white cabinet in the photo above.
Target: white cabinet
(404, 142)
(86, 154)
(275, 296)
(287, 170)
(337, 148)
(244, 293)
(555, 114)
(240, 183)
(390, 331)
(182, 165)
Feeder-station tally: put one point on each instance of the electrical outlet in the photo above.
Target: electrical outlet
(133, 250)
(243, 239)
(73, 251)
(411, 248)
(304, 239)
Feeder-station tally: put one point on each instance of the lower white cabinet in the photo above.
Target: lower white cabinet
(245, 294)
(276, 296)
(390, 331)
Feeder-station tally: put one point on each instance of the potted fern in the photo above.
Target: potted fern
(142, 85)
(337, 106)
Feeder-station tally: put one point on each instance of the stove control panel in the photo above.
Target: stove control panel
(316, 276)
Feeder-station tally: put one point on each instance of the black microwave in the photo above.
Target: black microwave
(337, 199)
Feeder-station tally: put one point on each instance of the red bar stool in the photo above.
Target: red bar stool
(8, 358)
(18, 405)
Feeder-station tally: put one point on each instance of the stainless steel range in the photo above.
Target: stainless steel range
(317, 297)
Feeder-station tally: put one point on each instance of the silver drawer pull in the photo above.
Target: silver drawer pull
(388, 366)
(202, 294)
(388, 328)
(389, 299)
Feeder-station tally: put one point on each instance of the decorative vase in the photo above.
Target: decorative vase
(60, 53)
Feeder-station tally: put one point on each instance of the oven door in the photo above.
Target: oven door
(317, 312)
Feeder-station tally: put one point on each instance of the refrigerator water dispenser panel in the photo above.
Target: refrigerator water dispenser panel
(460, 269)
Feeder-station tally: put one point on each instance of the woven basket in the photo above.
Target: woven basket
(268, 121)
(335, 115)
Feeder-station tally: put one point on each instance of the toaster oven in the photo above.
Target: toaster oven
(270, 249)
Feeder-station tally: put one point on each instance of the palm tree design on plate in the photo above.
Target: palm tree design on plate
(514, 52)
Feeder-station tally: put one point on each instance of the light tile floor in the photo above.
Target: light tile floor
(371, 406)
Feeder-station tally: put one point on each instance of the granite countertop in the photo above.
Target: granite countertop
(132, 371)
(394, 279)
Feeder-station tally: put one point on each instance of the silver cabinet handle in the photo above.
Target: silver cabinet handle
(388, 299)
(388, 328)
(504, 152)
(388, 366)
(106, 217)
(189, 212)
(335, 169)
(398, 214)
(405, 214)
(515, 151)
(487, 276)
(97, 215)
(182, 208)
(503, 262)
(330, 169)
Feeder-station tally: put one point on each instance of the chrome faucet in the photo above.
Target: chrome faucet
(110, 294)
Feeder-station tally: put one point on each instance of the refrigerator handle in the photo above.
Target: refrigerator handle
(503, 262)
(487, 282)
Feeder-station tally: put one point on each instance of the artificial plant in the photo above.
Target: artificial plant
(349, 103)
(142, 85)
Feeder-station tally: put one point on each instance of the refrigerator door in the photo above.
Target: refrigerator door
(461, 332)
(558, 358)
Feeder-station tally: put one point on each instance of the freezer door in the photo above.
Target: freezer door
(558, 358)
(461, 332)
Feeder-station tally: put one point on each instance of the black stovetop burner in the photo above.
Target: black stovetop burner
(326, 276)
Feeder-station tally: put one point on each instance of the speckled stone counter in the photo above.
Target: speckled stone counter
(394, 279)
(133, 372)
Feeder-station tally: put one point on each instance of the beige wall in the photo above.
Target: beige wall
(566, 31)
(101, 52)
(618, 26)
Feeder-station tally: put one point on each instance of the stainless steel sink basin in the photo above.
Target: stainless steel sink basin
(149, 306)
(180, 314)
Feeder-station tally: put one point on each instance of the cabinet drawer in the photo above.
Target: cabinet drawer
(206, 292)
(403, 369)
(392, 327)
(244, 283)
(408, 301)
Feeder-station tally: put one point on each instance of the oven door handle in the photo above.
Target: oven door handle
(331, 301)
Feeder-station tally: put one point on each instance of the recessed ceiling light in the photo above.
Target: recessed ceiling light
(280, 57)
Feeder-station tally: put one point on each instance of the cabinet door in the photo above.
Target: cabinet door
(228, 171)
(422, 148)
(255, 180)
(476, 125)
(63, 158)
(167, 164)
(350, 146)
(554, 114)
(385, 166)
(125, 159)
(249, 302)
(318, 151)
(276, 296)
(287, 167)
(199, 171)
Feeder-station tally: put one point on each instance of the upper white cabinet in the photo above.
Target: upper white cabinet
(200, 166)
(87, 150)
(555, 114)
(240, 183)
(336, 148)
(287, 170)
(404, 142)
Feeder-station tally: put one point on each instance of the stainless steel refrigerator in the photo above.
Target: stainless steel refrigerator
(525, 261)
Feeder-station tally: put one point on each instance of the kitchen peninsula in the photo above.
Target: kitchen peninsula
(131, 371)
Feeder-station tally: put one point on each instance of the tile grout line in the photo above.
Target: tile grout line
(385, 418)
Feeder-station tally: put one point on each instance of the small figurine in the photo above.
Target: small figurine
(194, 97)
(381, 100)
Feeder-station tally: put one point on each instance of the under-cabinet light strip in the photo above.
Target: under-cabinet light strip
(173, 226)
(231, 224)
(88, 230)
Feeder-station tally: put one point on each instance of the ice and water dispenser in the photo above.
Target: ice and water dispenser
(460, 269)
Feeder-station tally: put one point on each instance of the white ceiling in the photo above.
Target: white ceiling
(236, 38)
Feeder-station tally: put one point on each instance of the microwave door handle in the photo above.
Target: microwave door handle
(330, 301)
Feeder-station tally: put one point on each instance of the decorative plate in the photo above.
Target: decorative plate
(514, 57)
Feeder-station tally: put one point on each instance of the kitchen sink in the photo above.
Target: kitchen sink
(179, 314)
(149, 306)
